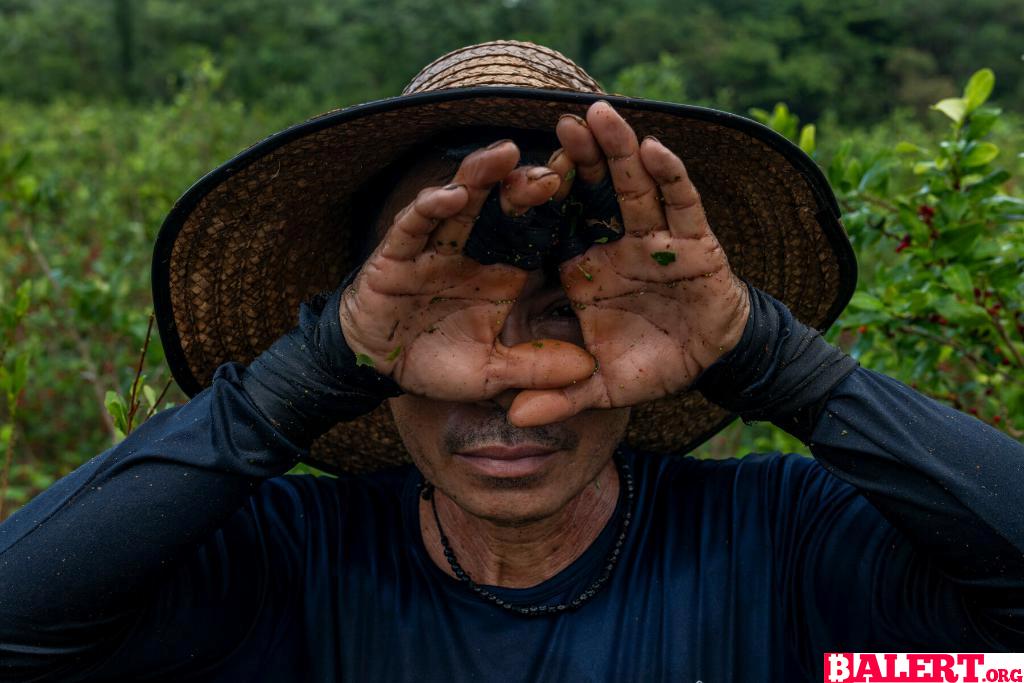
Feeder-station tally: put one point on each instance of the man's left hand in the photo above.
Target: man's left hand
(658, 305)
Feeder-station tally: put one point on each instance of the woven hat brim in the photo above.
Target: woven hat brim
(271, 227)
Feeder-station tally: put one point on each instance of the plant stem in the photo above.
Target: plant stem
(133, 402)
(964, 353)
(159, 398)
(1006, 338)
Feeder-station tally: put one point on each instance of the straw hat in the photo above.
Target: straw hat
(280, 222)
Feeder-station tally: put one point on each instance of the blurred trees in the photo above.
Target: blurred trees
(817, 55)
(109, 109)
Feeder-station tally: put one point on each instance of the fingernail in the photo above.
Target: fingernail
(554, 157)
(452, 187)
(539, 172)
(651, 137)
(575, 118)
(497, 144)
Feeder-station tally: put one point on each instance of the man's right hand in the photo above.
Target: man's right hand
(428, 316)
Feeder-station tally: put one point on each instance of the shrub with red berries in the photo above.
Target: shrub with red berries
(942, 240)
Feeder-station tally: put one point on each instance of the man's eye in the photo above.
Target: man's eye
(561, 311)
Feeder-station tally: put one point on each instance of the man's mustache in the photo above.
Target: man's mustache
(478, 428)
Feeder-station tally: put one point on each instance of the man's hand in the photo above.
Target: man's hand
(428, 316)
(656, 306)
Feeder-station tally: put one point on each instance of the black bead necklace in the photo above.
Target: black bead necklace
(625, 476)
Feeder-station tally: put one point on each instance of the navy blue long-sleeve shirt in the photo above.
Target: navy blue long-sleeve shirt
(183, 554)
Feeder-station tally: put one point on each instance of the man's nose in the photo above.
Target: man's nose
(504, 399)
(516, 327)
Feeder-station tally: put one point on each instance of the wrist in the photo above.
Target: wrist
(780, 370)
(309, 379)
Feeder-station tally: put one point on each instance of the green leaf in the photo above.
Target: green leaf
(979, 87)
(953, 107)
(959, 279)
(867, 302)
(807, 143)
(362, 360)
(118, 410)
(904, 147)
(980, 154)
(922, 167)
(980, 123)
(960, 313)
(150, 395)
(21, 303)
(395, 353)
(664, 257)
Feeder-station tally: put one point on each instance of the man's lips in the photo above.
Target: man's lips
(506, 461)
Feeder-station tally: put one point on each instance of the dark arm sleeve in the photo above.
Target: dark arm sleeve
(136, 525)
(908, 530)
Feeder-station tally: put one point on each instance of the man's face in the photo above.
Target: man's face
(469, 451)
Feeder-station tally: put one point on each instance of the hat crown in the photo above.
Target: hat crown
(503, 63)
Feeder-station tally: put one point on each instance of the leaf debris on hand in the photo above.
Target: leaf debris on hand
(664, 257)
(362, 360)
(395, 352)
(587, 275)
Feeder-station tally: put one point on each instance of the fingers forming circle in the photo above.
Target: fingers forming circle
(682, 206)
(636, 190)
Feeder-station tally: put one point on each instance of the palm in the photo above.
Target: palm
(430, 317)
(663, 316)
(660, 304)
(431, 323)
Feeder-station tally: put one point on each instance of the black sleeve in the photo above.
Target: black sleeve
(908, 530)
(77, 563)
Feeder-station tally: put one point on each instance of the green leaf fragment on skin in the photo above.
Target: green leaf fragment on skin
(395, 353)
(362, 360)
(601, 240)
(585, 273)
(664, 257)
(538, 345)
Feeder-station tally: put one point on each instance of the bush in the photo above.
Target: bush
(84, 187)
(939, 239)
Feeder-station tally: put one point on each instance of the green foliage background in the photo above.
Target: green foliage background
(109, 109)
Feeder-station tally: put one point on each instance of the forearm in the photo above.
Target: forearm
(77, 560)
(949, 483)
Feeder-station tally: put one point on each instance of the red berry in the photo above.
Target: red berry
(996, 419)
(904, 244)
(862, 329)
(926, 213)
(943, 321)
(972, 411)
(977, 293)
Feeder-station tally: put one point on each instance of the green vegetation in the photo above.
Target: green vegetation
(109, 110)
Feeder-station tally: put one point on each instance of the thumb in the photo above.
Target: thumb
(532, 408)
(539, 364)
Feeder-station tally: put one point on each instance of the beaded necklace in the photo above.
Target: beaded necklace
(625, 475)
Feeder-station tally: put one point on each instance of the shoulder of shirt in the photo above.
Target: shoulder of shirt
(328, 495)
(772, 469)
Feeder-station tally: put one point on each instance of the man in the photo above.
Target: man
(521, 318)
